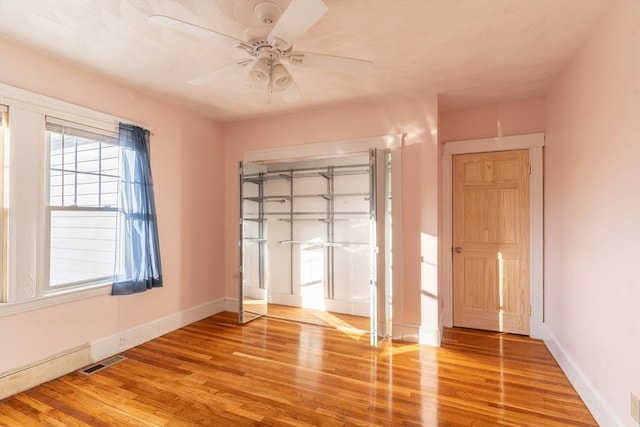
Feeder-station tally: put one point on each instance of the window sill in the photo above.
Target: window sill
(54, 298)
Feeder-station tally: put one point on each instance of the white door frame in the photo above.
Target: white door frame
(534, 143)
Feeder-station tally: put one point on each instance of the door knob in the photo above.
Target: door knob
(457, 250)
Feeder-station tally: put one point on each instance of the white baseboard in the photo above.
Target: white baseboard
(60, 364)
(416, 334)
(405, 332)
(285, 299)
(599, 408)
(430, 336)
(114, 344)
(232, 305)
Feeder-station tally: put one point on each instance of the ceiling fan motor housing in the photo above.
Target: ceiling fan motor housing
(267, 12)
(257, 35)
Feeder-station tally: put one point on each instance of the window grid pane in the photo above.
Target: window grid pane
(83, 172)
(83, 195)
(82, 246)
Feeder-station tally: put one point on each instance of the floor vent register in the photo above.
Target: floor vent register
(92, 369)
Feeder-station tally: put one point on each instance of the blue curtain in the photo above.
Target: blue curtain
(138, 265)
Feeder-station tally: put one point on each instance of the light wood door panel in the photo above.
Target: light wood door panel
(491, 230)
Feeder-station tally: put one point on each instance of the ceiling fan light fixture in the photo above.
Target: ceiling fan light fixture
(268, 43)
(259, 72)
(280, 77)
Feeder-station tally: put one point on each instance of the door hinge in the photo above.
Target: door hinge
(529, 165)
(529, 309)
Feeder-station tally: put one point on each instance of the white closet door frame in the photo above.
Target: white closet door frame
(336, 149)
(324, 149)
(373, 248)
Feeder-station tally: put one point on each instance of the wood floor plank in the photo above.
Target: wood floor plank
(272, 372)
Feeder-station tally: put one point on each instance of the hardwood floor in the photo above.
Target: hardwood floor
(273, 372)
(340, 321)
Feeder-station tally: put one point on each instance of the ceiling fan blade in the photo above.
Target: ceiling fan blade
(295, 21)
(196, 30)
(339, 64)
(291, 94)
(220, 71)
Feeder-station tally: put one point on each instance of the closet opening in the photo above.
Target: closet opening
(315, 241)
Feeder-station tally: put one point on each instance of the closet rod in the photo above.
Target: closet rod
(324, 219)
(279, 198)
(253, 219)
(321, 168)
(316, 213)
(284, 175)
(316, 243)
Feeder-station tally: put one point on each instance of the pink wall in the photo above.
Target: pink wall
(592, 210)
(188, 176)
(416, 117)
(488, 121)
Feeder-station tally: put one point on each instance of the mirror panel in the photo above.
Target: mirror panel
(252, 242)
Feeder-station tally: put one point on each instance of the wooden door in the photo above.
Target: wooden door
(491, 241)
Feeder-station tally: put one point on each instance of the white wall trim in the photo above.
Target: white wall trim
(536, 243)
(31, 101)
(324, 149)
(24, 378)
(48, 300)
(405, 332)
(500, 143)
(430, 336)
(232, 305)
(137, 335)
(601, 411)
(418, 334)
(534, 143)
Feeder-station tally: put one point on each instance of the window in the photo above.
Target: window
(82, 211)
(59, 196)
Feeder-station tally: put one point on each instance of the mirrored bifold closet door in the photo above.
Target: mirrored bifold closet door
(315, 234)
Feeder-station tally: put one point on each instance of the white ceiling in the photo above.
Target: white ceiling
(469, 52)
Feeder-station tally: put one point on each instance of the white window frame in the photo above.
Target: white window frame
(104, 136)
(26, 285)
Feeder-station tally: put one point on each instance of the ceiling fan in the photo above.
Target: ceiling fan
(269, 44)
